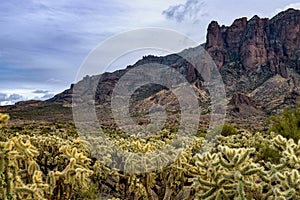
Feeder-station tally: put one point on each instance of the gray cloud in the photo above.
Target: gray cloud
(192, 10)
(55, 36)
(2, 97)
(41, 91)
(6, 99)
(47, 96)
(14, 97)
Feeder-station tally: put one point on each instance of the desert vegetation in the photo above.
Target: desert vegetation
(50, 161)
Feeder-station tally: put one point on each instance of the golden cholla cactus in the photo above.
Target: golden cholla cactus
(73, 177)
(20, 174)
(286, 176)
(226, 174)
(3, 119)
(288, 186)
(290, 152)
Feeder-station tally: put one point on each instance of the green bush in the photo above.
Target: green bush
(268, 154)
(287, 124)
(228, 130)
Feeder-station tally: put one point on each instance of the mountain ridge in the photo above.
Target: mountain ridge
(254, 56)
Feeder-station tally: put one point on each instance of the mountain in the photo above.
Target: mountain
(259, 60)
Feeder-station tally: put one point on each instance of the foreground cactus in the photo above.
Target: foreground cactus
(3, 119)
(20, 174)
(43, 163)
(227, 174)
(27, 172)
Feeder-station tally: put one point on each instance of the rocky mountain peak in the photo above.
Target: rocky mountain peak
(258, 42)
(254, 18)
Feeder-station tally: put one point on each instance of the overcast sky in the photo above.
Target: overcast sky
(44, 42)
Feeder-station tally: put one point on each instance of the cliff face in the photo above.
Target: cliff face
(258, 42)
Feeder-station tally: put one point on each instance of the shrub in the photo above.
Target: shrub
(268, 154)
(222, 129)
(228, 130)
(287, 124)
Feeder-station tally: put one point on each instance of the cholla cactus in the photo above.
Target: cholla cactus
(286, 175)
(3, 119)
(289, 185)
(227, 174)
(290, 151)
(20, 175)
(74, 176)
(60, 167)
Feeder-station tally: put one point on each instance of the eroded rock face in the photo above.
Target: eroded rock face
(215, 43)
(254, 43)
(258, 57)
(258, 42)
(244, 106)
(285, 38)
(240, 99)
(292, 98)
(234, 36)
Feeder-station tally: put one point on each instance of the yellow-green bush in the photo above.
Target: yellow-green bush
(228, 129)
(287, 123)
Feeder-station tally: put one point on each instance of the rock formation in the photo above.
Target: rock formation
(258, 42)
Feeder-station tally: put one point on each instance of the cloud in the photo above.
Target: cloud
(56, 36)
(6, 99)
(47, 96)
(41, 91)
(2, 97)
(192, 10)
(53, 80)
(10, 97)
(14, 97)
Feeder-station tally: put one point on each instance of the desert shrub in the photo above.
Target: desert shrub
(287, 123)
(219, 130)
(228, 129)
(267, 153)
(201, 133)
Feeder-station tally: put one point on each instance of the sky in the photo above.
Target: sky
(44, 42)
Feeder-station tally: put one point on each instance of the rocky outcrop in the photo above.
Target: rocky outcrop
(293, 98)
(258, 42)
(242, 99)
(215, 43)
(272, 92)
(244, 106)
